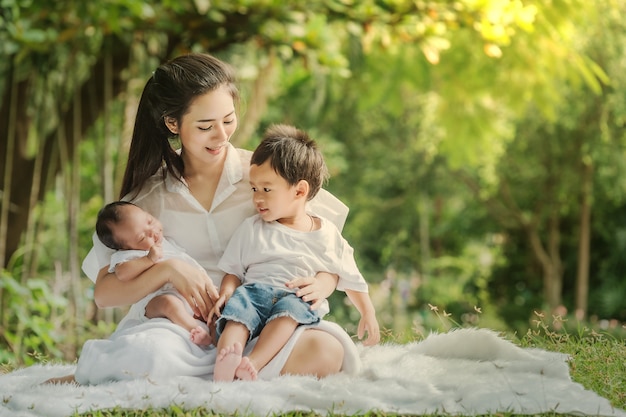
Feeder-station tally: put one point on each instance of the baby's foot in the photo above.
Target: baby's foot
(200, 336)
(246, 370)
(228, 359)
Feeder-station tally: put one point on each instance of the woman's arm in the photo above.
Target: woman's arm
(132, 268)
(192, 283)
(315, 289)
(113, 292)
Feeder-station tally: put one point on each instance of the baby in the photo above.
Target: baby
(138, 239)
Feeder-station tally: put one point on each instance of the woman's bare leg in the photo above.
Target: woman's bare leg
(315, 353)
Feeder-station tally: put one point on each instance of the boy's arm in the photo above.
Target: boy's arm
(229, 284)
(368, 322)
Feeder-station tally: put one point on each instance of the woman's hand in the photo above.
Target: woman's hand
(194, 284)
(315, 289)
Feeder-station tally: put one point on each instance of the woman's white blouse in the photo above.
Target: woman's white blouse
(204, 234)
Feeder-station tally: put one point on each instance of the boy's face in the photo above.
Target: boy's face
(272, 195)
(138, 229)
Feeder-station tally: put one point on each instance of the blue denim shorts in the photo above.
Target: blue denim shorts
(256, 304)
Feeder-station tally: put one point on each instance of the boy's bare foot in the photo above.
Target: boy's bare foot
(200, 336)
(228, 359)
(246, 370)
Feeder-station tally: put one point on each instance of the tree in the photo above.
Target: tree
(603, 128)
(548, 183)
(56, 56)
(471, 121)
(520, 142)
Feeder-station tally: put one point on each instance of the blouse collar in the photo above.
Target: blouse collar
(231, 174)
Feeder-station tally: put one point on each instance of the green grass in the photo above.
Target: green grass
(598, 359)
(598, 363)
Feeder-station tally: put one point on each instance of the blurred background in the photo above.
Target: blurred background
(480, 146)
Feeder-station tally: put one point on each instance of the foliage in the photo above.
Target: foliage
(609, 292)
(460, 113)
(27, 330)
(38, 311)
(540, 174)
(46, 44)
(402, 96)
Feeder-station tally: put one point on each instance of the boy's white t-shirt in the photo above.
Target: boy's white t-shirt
(271, 253)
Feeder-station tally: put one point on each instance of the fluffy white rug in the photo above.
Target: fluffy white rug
(463, 372)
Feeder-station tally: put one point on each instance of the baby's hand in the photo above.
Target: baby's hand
(155, 253)
(369, 324)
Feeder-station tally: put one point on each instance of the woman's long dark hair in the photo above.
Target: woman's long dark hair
(168, 93)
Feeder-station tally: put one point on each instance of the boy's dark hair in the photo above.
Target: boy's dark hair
(108, 216)
(293, 155)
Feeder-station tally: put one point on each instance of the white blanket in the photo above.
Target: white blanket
(462, 372)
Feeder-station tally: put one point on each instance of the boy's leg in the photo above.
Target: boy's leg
(172, 308)
(273, 337)
(230, 351)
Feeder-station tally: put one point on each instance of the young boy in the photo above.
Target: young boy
(138, 240)
(283, 241)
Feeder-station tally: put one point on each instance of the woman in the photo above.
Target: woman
(200, 193)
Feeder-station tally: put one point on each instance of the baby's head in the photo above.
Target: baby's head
(293, 155)
(123, 225)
